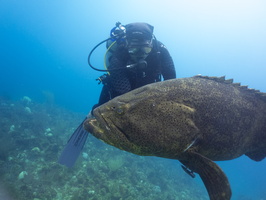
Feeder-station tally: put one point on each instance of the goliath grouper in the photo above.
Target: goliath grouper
(195, 120)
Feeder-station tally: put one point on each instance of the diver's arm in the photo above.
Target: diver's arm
(167, 64)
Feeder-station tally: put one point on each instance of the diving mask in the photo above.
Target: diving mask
(139, 50)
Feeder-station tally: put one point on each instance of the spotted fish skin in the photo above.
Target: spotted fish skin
(195, 120)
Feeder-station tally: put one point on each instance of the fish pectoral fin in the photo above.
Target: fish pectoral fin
(211, 174)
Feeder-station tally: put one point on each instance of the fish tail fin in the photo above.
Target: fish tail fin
(74, 146)
(213, 177)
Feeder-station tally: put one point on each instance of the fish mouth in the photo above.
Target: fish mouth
(104, 128)
(92, 125)
(113, 128)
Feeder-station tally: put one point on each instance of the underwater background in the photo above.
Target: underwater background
(47, 88)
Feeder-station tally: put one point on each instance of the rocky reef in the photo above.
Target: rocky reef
(32, 136)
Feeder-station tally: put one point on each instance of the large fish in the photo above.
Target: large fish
(195, 120)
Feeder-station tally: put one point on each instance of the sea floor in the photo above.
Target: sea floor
(32, 136)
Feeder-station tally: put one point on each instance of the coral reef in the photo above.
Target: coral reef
(32, 136)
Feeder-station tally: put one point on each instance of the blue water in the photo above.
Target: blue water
(44, 47)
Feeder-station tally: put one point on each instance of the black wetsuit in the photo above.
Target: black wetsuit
(159, 63)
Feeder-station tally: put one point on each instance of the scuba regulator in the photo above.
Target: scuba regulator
(118, 32)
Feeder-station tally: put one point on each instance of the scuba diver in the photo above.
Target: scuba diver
(134, 58)
(141, 60)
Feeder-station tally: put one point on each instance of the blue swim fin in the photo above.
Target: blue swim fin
(74, 146)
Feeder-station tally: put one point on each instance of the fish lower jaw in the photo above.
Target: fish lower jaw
(92, 126)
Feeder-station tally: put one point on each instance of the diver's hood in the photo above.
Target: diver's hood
(139, 33)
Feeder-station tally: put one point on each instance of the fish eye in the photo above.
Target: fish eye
(119, 111)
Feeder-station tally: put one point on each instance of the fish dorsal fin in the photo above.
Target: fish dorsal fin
(222, 79)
